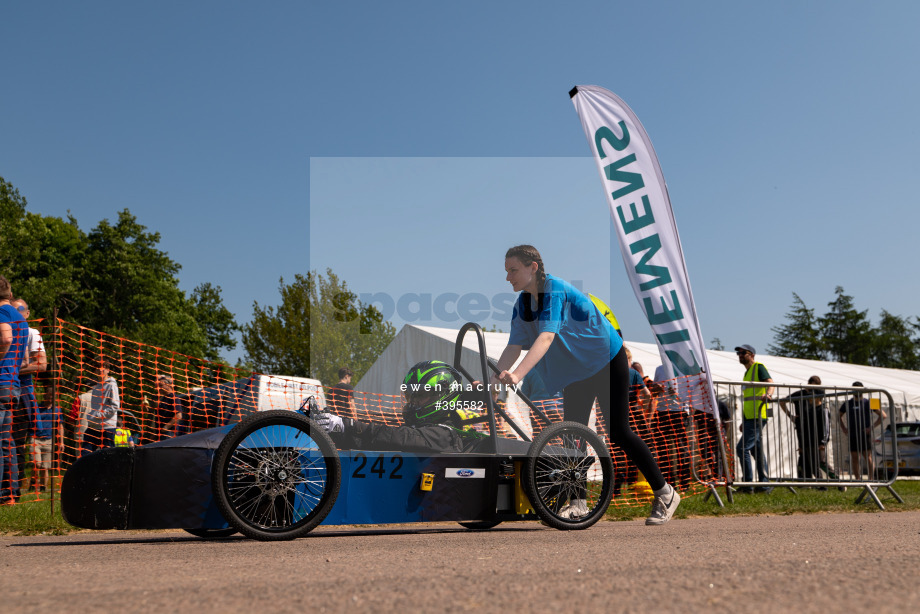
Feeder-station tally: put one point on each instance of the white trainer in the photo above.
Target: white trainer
(576, 508)
(663, 507)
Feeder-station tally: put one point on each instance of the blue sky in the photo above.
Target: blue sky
(406, 145)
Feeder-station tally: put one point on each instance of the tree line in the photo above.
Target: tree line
(115, 279)
(845, 334)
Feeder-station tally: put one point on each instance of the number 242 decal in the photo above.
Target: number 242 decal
(377, 467)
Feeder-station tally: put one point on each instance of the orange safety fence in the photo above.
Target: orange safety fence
(162, 394)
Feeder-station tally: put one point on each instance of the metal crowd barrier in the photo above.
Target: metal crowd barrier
(803, 443)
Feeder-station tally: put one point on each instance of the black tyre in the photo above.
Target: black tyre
(568, 476)
(275, 476)
(212, 533)
(480, 525)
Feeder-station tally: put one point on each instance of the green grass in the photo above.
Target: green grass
(783, 502)
(35, 518)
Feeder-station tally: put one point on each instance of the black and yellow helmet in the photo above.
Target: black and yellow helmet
(431, 387)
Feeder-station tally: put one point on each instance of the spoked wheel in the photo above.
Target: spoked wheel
(568, 476)
(480, 525)
(212, 533)
(275, 476)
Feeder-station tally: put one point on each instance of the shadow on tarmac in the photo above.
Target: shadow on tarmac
(316, 534)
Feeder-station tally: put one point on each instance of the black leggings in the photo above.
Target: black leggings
(610, 386)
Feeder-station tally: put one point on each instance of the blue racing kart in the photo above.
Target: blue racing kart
(276, 476)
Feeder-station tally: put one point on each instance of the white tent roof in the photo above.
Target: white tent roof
(416, 343)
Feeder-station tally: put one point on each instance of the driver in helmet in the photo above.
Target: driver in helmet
(432, 423)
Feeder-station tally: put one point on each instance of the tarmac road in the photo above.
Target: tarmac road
(816, 563)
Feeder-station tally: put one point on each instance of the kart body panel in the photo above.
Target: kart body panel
(168, 485)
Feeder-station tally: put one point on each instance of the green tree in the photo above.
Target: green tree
(115, 279)
(133, 289)
(319, 326)
(716, 344)
(277, 340)
(214, 318)
(41, 256)
(847, 333)
(896, 343)
(47, 264)
(12, 212)
(800, 337)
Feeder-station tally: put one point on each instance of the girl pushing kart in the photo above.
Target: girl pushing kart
(576, 350)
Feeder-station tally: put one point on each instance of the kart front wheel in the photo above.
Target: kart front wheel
(275, 476)
(568, 476)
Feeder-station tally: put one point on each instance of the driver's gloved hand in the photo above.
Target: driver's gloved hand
(308, 407)
(328, 422)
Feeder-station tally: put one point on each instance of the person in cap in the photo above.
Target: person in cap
(754, 414)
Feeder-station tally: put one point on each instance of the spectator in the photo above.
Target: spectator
(342, 395)
(47, 426)
(14, 335)
(712, 436)
(123, 436)
(168, 412)
(671, 418)
(640, 399)
(103, 412)
(640, 407)
(78, 417)
(33, 361)
(637, 367)
(858, 427)
(754, 413)
(809, 414)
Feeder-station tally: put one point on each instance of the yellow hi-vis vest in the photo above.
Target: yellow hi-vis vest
(753, 406)
(122, 437)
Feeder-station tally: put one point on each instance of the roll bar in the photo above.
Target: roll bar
(486, 364)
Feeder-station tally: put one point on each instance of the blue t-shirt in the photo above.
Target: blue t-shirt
(11, 361)
(585, 340)
(44, 419)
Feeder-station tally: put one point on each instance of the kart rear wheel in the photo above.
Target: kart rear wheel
(212, 533)
(275, 476)
(480, 525)
(568, 476)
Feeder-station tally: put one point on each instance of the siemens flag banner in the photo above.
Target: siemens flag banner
(647, 233)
